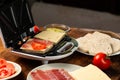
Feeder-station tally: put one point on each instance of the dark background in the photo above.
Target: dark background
(112, 6)
(95, 14)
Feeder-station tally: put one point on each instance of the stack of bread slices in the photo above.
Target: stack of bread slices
(95, 42)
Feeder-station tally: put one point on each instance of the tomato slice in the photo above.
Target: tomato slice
(2, 62)
(11, 66)
(6, 69)
(38, 46)
(5, 72)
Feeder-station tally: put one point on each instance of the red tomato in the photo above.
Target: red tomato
(5, 72)
(36, 29)
(101, 60)
(38, 46)
(2, 62)
(6, 69)
(11, 66)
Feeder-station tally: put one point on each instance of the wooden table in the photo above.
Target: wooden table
(76, 58)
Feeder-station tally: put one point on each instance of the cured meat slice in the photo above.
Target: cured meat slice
(53, 74)
(35, 76)
(66, 74)
(58, 74)
(40, 75)
(61, 74)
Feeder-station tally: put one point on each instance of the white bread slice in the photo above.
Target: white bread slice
(52, 36)
(100, 35)
(115, 43)
(83, 42)
(95, 42)
(97, 47)
(100, 42)
(89, 72)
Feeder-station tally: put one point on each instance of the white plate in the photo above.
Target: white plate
(117, 53)
(17, 69)
(66, 66)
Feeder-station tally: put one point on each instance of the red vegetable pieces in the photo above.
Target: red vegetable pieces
(6, 69)
(101, 60)
(36, 29)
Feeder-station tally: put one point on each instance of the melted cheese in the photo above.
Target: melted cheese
(52, 36)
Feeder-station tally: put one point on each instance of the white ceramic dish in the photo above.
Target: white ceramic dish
(60, 26)
(117, 53)
(46, 58)
(17, 69)
(66, 66)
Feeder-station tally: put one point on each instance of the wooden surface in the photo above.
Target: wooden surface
(77, 58)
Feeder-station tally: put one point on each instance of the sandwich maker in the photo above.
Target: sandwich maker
(16, 26)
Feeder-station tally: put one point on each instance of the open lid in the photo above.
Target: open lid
(16, 22)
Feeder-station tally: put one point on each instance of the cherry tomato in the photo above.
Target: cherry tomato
(101, 60)
(36, 29)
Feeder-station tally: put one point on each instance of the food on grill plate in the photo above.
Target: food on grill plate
(55, 29)
(51, 35)
(37, 45)
(93, 43)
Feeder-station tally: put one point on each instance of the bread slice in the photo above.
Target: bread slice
(83, 42)
(115, 43)
(97, 47)
(95, 42)
(52, 36)
(37, 46)
(100, 35)
(89, 72)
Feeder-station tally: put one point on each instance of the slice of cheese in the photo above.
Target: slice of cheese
(52, 36)
(89, 72)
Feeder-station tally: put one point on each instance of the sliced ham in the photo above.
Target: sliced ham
(35, 76)
(66, 74)
(58, 74)
(53, 74)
